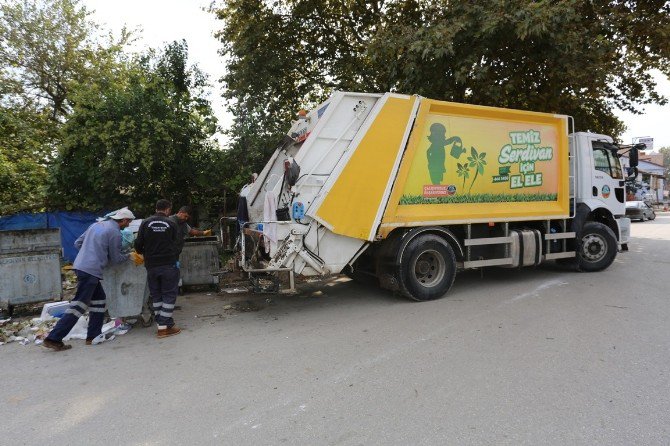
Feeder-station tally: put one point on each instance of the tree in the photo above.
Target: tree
(582, 58)
(666, 161)
(140, 133)
(22, 159)
(47, 47)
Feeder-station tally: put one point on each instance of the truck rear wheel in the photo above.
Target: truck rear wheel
(596, 247)
(427, 268)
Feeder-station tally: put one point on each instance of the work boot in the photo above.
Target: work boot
(56, 345)
(169, 331)
(89, 342)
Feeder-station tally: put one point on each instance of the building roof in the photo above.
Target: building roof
(646, 166)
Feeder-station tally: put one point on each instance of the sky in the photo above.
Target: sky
(163, 21)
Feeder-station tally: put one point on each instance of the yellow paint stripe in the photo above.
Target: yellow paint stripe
(351, 205)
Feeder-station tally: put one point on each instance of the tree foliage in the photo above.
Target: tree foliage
(138, 134)
(665, 151)
(47, 48)
(86, 125)
(23, 156)
(577, 57)
(666, 156)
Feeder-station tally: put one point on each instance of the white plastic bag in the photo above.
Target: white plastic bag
(80, 329)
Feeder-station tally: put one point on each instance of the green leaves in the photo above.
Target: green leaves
(144, 134)
(48, 49)
(463, 170)
(581, 58)
(477, 161)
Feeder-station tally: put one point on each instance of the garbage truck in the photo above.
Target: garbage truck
(407, 191)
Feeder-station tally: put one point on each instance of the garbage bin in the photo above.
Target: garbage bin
(29, 266)
(125, 285)
(199, 261)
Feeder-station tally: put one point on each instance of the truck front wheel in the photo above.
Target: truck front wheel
(427, 268)
(596, 247)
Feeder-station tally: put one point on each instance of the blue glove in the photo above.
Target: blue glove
(177, 264)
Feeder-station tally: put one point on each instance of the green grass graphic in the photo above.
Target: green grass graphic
(478, 198)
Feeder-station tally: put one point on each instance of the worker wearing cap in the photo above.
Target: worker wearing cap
(181, 219)
(98, 247)
(157, 241)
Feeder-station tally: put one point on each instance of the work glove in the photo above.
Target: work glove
(137, 258)
(207, 233)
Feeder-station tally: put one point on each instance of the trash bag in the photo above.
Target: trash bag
(80, 329)
(292, 173)
(127, 239)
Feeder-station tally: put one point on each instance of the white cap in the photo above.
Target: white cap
(122, 213)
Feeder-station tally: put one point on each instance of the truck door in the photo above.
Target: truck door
(608, 181)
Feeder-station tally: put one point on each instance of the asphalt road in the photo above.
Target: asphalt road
(534, 356)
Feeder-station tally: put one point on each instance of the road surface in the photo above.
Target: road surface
(533, 356)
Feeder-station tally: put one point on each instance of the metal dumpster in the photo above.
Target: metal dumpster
(125, 285)
(29, 266)
(199, 261)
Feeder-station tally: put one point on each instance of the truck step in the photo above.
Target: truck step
(487, 241)
(559, 255)
(560, 235)
(488, 262)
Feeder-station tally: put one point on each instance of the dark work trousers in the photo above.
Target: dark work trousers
(163, 286)
(89, 296)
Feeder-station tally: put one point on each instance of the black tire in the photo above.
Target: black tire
(653, 216)
(427, 268)
(596, 247)
(644, 218)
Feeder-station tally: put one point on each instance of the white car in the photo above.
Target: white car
(639, 210)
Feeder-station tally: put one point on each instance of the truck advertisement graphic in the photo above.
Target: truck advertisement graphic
(457, 162)
(460, 157)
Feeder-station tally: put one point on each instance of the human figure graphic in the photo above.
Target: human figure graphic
(436, 152)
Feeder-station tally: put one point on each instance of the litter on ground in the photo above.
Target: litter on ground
(35, 330)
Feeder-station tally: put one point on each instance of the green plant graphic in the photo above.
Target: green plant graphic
(477, 161)
(463, 171)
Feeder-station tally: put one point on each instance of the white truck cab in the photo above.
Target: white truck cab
(600, 188)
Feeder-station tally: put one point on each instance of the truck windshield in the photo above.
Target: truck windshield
(606, 161)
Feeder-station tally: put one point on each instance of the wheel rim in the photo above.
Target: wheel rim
(429, 268)
(594, 247)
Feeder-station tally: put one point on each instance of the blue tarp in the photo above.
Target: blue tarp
(23, 221)
(71, 224)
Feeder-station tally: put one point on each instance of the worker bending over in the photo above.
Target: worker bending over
(98, 247)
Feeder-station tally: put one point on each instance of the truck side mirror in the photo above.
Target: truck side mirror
(633, 157)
